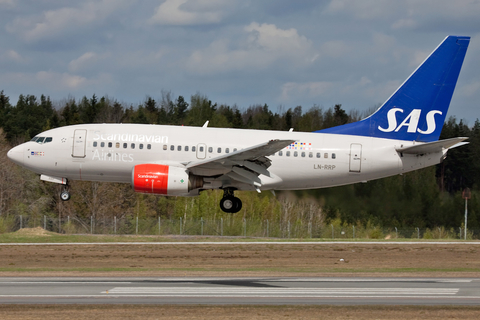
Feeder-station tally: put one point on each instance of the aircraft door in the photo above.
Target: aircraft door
(79, 143)
(201, 151)
(355, 157)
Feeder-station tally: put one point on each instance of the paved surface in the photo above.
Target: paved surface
(338, 291)
(407, 243)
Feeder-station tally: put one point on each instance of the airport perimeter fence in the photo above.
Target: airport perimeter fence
(227, 227)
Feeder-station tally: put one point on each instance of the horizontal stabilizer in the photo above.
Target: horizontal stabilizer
(433, 147)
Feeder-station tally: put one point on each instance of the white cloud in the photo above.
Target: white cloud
(52, 23)
(188, 12)
(52, 81)
(270, 38)
(12, 55)
(263, 46)
(63, 79)
(86, 61)
(408, 14)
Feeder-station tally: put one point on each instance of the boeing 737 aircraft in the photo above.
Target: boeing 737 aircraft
(401, 136)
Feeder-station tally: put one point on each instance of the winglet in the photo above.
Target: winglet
(206, 124)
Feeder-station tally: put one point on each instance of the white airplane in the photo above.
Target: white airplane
(401, 136)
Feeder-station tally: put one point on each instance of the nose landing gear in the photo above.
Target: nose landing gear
(229, 203)
(65, 194)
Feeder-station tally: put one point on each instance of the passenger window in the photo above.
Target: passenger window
(193, 149)
(117, 145)
(334, 155)
(295, 154)
(280, 153)
(179, 148)
(319, 155)
(132, 145)
(110, 144)
(125, 146)
(303, 154)
(140, 146)
(201, 149)
(102, 144)
(210, 149)
(172, 147)
(325, 155)
(164, 147)
(227, 150)
(219, 150)
(310, 155)
(48, 139)
(95, 143)
(186, 148)
(149, 146)
(234, 149)
(288, 153)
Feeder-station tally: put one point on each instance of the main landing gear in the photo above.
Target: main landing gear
(229, 202)
(65, 194)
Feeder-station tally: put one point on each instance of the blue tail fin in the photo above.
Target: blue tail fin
(417, 110)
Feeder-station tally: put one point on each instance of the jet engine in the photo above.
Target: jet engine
(163, 179)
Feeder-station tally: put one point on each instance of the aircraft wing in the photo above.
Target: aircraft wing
(433, 147)
(243, 165)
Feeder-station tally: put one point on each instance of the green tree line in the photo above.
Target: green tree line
(426, 198)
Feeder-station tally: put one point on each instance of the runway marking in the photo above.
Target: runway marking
(313, 279)
(63, 282)
(292, 292)
(233, 296)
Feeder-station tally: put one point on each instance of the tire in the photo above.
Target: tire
(65, 195)
(238, 205)
(228, 204)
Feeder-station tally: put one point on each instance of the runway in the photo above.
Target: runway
(265, 291)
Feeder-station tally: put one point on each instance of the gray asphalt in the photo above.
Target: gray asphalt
(270, 291)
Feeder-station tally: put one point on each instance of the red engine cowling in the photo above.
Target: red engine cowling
(160, 179)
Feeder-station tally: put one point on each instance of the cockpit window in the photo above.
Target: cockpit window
(42, 139)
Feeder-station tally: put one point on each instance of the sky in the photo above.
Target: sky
(282, 53)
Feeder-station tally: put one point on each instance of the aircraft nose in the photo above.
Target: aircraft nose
(16, 154)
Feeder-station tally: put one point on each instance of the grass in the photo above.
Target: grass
(52, 237)
(309, 270)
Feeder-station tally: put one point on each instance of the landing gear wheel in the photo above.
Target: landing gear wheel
(228, 204)
(65, 195)
(238, 205)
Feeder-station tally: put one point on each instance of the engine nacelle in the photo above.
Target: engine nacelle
(163, 179)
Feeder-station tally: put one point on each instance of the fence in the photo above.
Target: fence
(226, 227)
